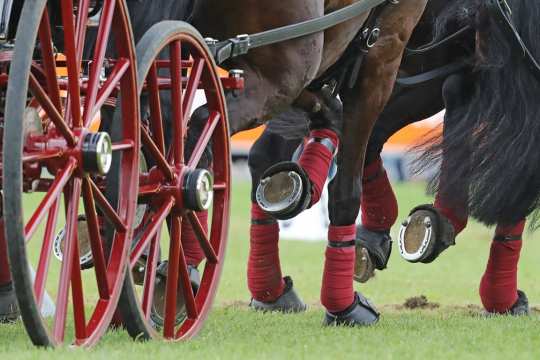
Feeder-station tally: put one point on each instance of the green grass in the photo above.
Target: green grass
(453, 330)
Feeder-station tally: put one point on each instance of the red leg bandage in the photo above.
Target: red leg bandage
(316, 160)
(337, 292)
(458, 214)
(192, 250)
(378, 202)
(5, 274)
(265, 281)
(498, 288)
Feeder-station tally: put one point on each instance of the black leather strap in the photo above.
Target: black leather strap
(341, 244)
(422, 50)
(240, 45)
(503, 238)
(267, 221)
(438, 73)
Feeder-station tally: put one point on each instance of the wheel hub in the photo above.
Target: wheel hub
(198, 190)
(97, 153)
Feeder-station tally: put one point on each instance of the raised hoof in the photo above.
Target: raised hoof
(425, 235)
(373, 250)
(284, 190)
(157, 313)
(360, 313)
(521, 306)
(288, 302)
(9, 309)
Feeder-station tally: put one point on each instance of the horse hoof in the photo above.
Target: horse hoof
(373, 250)
(425, 235)
(521, 306)
(284, 191)
(288, 302)
(157, 312)
(361, 313)
(363, 267)
(9, 309)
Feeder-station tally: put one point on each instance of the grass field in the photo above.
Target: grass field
(452, 328)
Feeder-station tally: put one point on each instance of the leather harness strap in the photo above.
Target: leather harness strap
(240, 45)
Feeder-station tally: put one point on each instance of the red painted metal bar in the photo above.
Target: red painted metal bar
(157, 220)
(177, 104)
(46, 252)
(109, 86)
(72, 199)
(104, 31)
(150, 275)
(156, 118)
(185, 282)
(123, 145)
(98, 255)
(192, 86)
(49, 62)
(161, 162)
(201, 235)
(171, 292)
(77, 293)
(55, 116)
(62, 178)
(204, 140)
(106, 207)
(41, 156)
(73, 108)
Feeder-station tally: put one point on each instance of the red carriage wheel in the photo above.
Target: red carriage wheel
(162, 297)
(62, 170)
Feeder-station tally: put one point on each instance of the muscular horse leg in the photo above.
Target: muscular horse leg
(270, 291)
(362, 107)
(498, 288)
(378, 201)
(431, 229)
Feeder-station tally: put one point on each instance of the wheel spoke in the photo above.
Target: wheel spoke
(150, 274)
(191, 89)
(47, 52)
(108, 87)
(77, 294)
(72, 199)
(82, 21)
(47, 105)
(157, 155)
(171, 292)
(46, 252)
(123, 145)
(104, 31)
(202, 236)
(156, 118)
(107, 208)
(204, 140)
(41, 156)
(177, 145)
(185, 282)
(73, 108)
(96, 241)
(151, 230)
(62, 177)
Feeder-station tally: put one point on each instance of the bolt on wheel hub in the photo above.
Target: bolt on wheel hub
(97, 153)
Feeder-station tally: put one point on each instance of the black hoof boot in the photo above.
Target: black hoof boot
(425, 235)
(9, 309)
(157, 313)
(284, 190)
(360, 313)
(373, 251)
(288, 302)
(521, 307)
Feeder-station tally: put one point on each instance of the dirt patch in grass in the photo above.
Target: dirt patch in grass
(419, 302)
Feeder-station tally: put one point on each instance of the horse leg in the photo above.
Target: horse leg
(270, 291)
(498, 288)
(378, 201)
(431, 229)
(365, 102)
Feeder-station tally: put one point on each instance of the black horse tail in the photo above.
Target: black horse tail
(492, 135)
